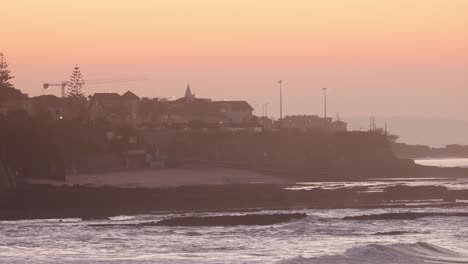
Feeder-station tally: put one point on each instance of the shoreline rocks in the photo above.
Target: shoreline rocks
(222, 220)
(232, 220)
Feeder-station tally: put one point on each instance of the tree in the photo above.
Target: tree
(5, 74)
(75, 85)
(7, 90)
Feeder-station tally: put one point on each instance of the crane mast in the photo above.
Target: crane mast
(46, 86)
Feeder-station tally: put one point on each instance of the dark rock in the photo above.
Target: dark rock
(391, 233)
(230, 220)
(92, 218)
(224, 220)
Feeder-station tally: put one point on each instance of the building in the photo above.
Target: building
(45, 107)
(129, 109)
(189, 109)
(265, 122)
(16, 105)
(236, 112)
(50, 108)
(116, 109)
(313, 123)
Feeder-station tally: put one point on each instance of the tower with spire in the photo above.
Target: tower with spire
(188, 93)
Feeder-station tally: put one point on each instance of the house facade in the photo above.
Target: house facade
(114, 108)
(236, 112)
(130, 109)
(191, 109)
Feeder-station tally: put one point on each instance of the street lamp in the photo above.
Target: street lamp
(280, 82)
(324, 102)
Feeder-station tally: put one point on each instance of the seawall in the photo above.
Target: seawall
(302, 155)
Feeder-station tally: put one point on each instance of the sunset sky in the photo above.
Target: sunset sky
(377, 57)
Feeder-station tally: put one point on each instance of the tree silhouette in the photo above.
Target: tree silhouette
(75, 85)
(7, 90)
(5, 74)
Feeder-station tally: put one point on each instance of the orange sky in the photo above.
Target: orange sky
(382, 57)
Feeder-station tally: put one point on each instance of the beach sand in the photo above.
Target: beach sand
(163, 178)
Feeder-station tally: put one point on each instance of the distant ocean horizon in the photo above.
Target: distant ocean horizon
(444, 162)
(432, 132)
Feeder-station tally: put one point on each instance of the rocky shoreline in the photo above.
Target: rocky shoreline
(42, 201)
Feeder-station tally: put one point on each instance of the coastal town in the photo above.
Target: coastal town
(133, 132)
(186, 112)
(104, 133)
(51, 137)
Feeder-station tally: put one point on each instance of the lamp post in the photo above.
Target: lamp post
(324, 102)
(280, 82)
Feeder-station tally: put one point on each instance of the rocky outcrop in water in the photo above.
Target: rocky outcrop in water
(222, 220)
(391, 233)
(231, 220)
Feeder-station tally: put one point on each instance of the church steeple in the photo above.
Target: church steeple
(188, 93)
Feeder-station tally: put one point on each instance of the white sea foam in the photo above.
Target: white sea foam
(414, 253)
(322, 237)
(447, 162)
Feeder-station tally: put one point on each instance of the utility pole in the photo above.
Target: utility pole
(281, 98)
(372, 124)
(265, 109)
(324, 102)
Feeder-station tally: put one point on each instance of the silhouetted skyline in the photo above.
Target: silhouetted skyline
(391, 58)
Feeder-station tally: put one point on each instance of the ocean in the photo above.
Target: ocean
(322, 237)
(447, 162)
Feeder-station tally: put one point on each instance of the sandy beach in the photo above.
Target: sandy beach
(163, 178)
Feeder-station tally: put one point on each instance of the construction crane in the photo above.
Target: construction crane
(64, 84)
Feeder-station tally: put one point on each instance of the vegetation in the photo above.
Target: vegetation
(7, 90)
(75, 85)
(29, 151)
(38, 149)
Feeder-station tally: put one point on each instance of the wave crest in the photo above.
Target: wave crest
(416, 253)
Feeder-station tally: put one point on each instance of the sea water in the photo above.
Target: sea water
(444, 162)
(321, 237)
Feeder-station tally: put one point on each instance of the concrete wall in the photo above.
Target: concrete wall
(293, 152)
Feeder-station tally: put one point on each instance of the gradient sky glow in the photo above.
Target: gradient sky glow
(377, 57)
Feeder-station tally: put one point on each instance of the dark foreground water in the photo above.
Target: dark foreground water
(322, 237)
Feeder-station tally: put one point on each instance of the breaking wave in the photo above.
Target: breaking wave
(416, 253)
